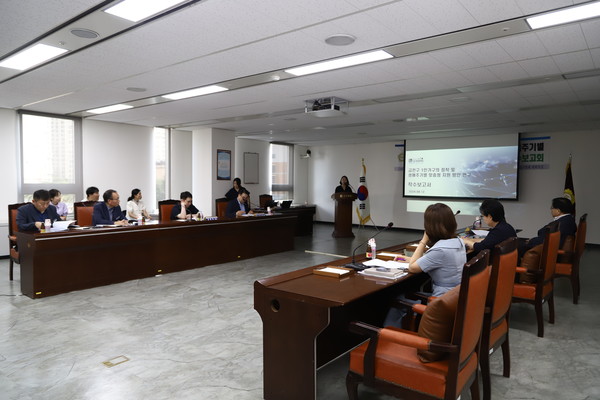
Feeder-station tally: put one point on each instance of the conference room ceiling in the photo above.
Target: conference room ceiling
(462, 66)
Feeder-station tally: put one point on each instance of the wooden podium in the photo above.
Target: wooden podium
(343, 214)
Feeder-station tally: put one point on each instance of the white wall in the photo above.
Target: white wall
(180, 160)
(301, 175)
(264, 166)
(119, 157)
(9, 139)
(537, 186)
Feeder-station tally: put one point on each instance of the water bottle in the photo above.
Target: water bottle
(373, 250)
(477, 223)
(48, 224)
(140, 220)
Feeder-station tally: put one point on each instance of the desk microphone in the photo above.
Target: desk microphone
(360, 266)
(456, 213)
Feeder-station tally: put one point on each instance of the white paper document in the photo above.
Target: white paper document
(334, 270)
(479, 232)
(59, 226)
(386, 264)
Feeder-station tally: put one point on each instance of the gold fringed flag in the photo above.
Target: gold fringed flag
(569, 192)
(363, 210)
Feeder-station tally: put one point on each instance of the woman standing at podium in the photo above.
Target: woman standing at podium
(344, 185)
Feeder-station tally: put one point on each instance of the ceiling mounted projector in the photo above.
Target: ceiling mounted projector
(326, 107)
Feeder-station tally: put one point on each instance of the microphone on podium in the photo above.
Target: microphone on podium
(360, 266)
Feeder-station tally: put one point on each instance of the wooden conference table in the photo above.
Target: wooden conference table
(305, 322)
(60, 262)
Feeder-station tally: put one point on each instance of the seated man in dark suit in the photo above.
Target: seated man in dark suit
(109, 212)
(185, 209)
(492, 213)
(561, 210)
(238, 206)
(31, 217)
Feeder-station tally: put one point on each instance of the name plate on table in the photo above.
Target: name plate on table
(335, 272)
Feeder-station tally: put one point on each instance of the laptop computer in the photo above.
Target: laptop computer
(286, 204)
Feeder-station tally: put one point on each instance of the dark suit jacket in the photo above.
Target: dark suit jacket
(566, 225)
(496, 235)
(28, 215)
(233, 207)
(101, 215)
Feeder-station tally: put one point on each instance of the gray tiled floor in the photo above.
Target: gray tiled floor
(195, 335)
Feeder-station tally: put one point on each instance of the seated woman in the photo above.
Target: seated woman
(135, 206)
(561, 210)
(492, 213)
(235, 190)
(443, 261)
(55, 200)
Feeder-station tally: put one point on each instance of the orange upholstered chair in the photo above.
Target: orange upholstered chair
(164, 209)
(83, 212)
(542, 289)
(495, 321)
(391, 360)
(567, 265)
(12, 237)
(221, 206)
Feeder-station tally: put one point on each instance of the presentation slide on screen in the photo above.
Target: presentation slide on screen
(477, 172)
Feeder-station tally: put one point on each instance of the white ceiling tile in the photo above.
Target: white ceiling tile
(403, 21)
(486, 11)
(591, 31)
(565, 98)
(455, 58)
(576, 61)
(449, 18)
(540, 66)
(537, 6)
(530, 90)
(595, 53)
(452, 79)
(523, 46)
(585, 84)
(487, 53)
(508, 71)
(480, 75)
(562, 39)
(557, 87)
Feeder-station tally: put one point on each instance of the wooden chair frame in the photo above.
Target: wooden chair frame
(567, 265)
(544, 279)
(77, 206)
(496, 318)
(164, 209)
(12, 237)
(464, 344)
(221, 206)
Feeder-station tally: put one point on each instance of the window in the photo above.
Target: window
(50, 155)
(282, 157)
(160, 150)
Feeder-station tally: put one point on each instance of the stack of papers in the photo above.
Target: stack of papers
(59, 226)
(385, 269)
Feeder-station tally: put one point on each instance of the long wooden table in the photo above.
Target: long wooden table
(53, 263)
(305, 319)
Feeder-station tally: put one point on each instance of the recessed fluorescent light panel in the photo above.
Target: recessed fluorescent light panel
(567, 15)
(107, 109)
(195, 92)
(340, 63)
(32, 56)
(137, 10)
